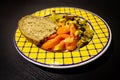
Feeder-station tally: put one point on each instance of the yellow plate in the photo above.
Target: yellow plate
(96, 47)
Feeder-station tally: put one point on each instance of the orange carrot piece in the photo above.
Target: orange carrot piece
(49, 44)
(63, 36)
(52, 36)
(71, 45)
(60, 46)
(63, 30)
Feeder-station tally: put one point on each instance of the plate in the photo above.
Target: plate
(93, 50)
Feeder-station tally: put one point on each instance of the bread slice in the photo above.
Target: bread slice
(36, 29)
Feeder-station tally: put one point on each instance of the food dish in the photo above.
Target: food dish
(97, 46)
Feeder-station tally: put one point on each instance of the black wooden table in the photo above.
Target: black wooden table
(15, 67)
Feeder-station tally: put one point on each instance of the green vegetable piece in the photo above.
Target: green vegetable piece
(82, 42)
(89, 34)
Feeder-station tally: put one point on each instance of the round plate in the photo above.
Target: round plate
(94, 49)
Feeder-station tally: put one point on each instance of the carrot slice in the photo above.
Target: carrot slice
(71, 45)
(52, 36)
(63, 30)
(60, 46)
(49, 44)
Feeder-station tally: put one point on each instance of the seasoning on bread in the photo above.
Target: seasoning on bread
(36, 29)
